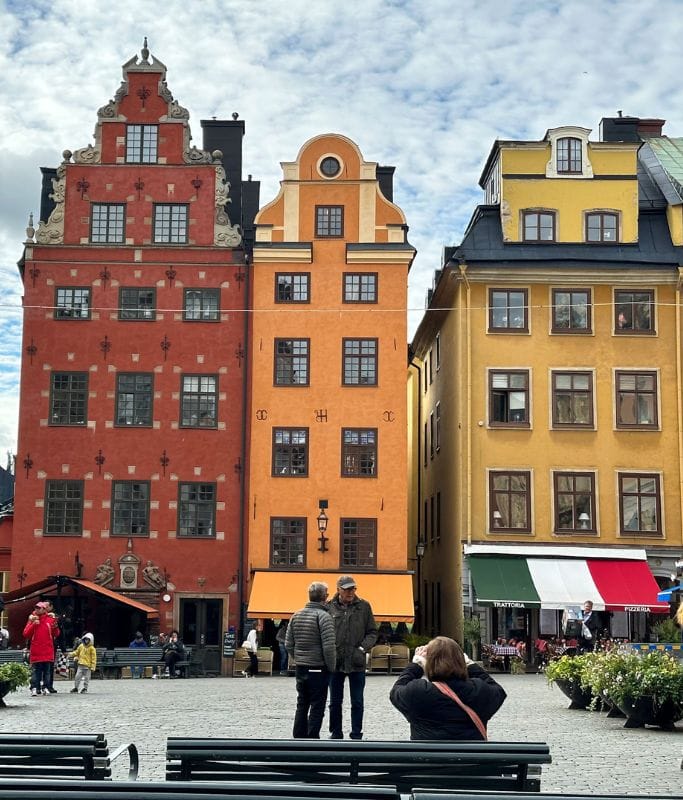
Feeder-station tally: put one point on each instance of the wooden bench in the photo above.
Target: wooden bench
(402, 765)
(11, 656)
(84, 756)
(13, 789)
(104, 663)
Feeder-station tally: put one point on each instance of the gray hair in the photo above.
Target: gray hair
(317, 592)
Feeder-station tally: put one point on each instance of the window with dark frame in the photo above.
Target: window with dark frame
(63, 508)
(107, 223)
(508, 310)
(430, 366)
(141, 144)
(359, 452)
(572, 399)
(569, 155)
(639, 504)
(137, 303)
(425, 526)
(437, 350)
(438, 516)
(360, 362)
(634, 311)
(290, 452)
(72, 303)
(170, 223)
(636, 399)
(287, 542)
(425, 449)
(509, 398)
(358, 543)
(69, 398)
(360, 287)
(574, 502)
(130, 508)
(134, 398)
(437, 427)
(538, 226)
(431, 435)
(509, 501)
(432, 519)
(602, 226)
(197, 510)
(199, 401)
(292, 287)
(572, 311)
(201, 305)
(329, 221)
(291, 362)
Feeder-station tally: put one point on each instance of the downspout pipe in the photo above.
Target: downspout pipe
(462, 267)
(412, 362)
(679, 392)
(246, 419)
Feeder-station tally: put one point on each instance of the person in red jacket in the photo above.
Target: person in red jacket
(41, 629)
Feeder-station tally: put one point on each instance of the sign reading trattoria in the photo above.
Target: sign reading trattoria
(507, 604)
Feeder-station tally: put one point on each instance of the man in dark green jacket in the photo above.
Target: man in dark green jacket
(356, 632)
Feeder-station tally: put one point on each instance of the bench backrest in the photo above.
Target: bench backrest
(54, 756)
(11, 656)
(134, 655)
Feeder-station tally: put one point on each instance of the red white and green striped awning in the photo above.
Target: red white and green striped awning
(518, 581)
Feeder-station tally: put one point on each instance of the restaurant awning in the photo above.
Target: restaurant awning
(557, 583)
(277, 595)
(31, 590)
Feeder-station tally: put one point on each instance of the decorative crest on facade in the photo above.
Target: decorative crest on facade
(52, 231)
(224, 234)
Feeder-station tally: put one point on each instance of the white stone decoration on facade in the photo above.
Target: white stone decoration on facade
(52, 231)
(224, 234)
(88, 154)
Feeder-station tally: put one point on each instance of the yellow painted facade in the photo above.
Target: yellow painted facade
(372, 241)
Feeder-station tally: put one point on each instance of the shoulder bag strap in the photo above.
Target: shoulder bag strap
(476, 719)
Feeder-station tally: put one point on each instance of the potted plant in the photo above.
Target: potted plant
(471, 631)
(667, 631)
(12, 676)
(567, 673)
(600, 671)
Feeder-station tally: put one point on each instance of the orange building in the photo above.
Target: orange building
(327, 491)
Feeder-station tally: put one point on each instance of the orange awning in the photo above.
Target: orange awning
(277, 595)
(152, 613)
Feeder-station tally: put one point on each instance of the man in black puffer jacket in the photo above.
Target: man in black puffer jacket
(310, 642)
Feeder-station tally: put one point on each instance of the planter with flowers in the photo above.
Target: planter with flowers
(567, 673)
(12, 677)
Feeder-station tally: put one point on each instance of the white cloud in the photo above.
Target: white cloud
(425, 87)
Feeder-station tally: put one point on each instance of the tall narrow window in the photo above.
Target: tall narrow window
(602, 226)
(640, 504)
(431, 434)
(72, 303)
(508, 310)
(141, 144)
(634, 311)
(130, 508)
(107, 223)
(137, 304)
(636, 401)
(63, 508)
(198, 401)
(288, 542)
(358, 543)
(571, 311)
(290, 452)
(572, 399)
(538, 226)
(510, 501)
(201, 305)
(437, 424)
(69, 398)
(134, 393)
(509, 398)
(569, 155)
(292, 287)
(359, 452)
(291, 362)
(329, 221)
(574, 502)
(197, 510)
(360, 362)
(170, 223)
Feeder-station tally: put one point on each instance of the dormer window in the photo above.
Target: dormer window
(569, 155)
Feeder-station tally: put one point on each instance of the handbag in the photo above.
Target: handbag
(471, 713)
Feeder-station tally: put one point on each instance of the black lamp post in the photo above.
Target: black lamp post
(322, 520)
(419, 554)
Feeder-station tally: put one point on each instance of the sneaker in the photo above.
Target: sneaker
(46, 691)
(52, 690)
(34, 693)
(73, 691)
(356, 736)
(336, 736)
(84, 691)
(245, 673)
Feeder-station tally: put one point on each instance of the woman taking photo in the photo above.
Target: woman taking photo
(426, 691)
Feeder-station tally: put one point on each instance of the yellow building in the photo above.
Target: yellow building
(547, 422)
(327, 483)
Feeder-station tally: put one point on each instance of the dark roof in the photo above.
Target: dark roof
(6, 485)
(649, 193)
(663, 160)
(483, 243)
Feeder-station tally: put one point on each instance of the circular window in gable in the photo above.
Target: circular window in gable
(330, 166)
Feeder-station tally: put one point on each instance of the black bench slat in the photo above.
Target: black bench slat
(402, 765)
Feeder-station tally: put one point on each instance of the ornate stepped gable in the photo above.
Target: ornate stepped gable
(225, 234)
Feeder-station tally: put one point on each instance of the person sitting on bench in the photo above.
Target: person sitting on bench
(172, 653)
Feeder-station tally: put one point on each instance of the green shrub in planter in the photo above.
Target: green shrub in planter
(667, 631)
(656, 675)
(13, 676)
(566, 668)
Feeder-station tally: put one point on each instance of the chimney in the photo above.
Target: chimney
(226, 135)
(250, 205)
(385, 177)
(650, 127)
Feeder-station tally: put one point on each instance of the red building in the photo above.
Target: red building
(131, 449)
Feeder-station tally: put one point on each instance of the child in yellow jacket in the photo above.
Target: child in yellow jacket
(86, 661)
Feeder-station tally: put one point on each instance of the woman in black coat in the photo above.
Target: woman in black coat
(434, 715)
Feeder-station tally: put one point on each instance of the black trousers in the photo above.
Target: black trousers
(311, 696)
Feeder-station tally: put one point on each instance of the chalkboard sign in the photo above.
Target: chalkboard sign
(229, 643)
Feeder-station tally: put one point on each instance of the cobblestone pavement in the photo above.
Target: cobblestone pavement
(590, 752)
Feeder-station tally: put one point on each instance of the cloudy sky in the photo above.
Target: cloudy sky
(424, 85)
